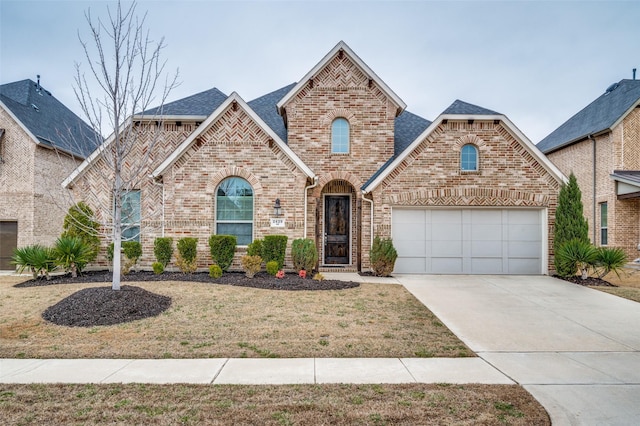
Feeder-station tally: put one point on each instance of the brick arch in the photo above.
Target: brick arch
(338, 175)
(328, 118)
(226, 172)
(469, 139)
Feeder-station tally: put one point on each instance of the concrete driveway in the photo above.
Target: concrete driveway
(576, 350)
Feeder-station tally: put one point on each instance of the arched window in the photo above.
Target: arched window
(234, 209)
(340, 136)
(469, 158)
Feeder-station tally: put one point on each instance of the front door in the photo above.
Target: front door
(336, 225)
(8, 243)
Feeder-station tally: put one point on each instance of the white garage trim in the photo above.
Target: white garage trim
(466, 240)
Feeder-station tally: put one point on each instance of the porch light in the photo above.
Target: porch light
(277, 209)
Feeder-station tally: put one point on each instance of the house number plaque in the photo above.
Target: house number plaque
(277, 223)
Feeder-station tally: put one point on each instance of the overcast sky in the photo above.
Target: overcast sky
(537, 62)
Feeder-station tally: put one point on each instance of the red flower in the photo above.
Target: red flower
(280, 274)
(302, 273)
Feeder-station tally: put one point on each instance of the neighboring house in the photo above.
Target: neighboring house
(41, 142)
(601, 146)
(344, 161)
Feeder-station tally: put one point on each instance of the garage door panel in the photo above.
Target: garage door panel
(478, 241)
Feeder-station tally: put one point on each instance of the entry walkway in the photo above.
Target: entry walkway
(575, 349)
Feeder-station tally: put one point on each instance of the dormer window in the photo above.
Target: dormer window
(469, 158)
(340, 136)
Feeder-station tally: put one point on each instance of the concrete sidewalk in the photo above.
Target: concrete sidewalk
(244, 371)
(575, 349)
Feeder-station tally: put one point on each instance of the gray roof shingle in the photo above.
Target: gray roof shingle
(459, 107)
(52, 123)
(200, 104)
(265, 107)
(598, 116)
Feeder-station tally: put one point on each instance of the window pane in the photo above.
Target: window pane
(340, 136)
(131, 207)
(603, 237)
(603, 215)
(131, 233)
(234, 208)
(242, 231)
(469, 158)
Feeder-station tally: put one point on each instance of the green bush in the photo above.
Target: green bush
(274, 247)
(251, 265)
(158, 268)
(255, 248)
(223, 247)
(132, 250)
(72, 254)
(570, 223)
(304, 254)
(36, 258)
(79, 222)
(383, 256)
(186, 258)
(215, 271)
(610, 259)
(272, 267)
(576, 255)
(163, 250)
(110, 252)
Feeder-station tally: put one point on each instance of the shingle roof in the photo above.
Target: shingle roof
(463, 108)
(598, 116)
(629, 175)
(52, 123)
(265, 107)
(200, 104)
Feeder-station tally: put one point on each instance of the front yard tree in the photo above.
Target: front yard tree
(570, 222)
(126, 69)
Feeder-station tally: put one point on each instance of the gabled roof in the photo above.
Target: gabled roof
(601, 115)
(265, 107)
(46, 119)
(328, 57)
(234, 97)
(459, 108)
(201, 104)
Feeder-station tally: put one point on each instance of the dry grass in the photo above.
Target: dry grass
(628, 284)
(270, 405)
(205, 320)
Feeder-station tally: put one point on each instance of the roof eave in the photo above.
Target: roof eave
(20, 123)
(578, 139)
(170, 117)
(341, 46)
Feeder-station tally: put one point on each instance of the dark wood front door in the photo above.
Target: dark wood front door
(337, 210)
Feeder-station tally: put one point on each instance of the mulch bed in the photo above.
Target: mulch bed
(96, 306)
(588, 282)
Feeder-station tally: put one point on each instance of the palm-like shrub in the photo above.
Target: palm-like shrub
(36, 258)
(610, 259)
(79, 222)
(383, 256)
(72, 253)
(576, 255)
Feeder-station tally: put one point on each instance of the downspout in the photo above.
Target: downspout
(371, 216)
(160, 184)
(594, 189)
(306, 189)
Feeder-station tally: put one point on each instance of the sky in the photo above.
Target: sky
(537, 62)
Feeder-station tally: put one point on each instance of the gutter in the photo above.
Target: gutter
(306, 191)
(591, 138)
(160, 184)
(371, 216)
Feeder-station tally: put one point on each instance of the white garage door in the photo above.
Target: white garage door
(468, 241)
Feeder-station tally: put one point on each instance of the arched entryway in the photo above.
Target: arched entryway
(338, 224)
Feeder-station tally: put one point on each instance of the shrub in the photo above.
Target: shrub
(215, 271)
(255, 248)
(251, 265)
(72, 254)
(576, 255)
(274, 247)
(383, 256)
(186, 259)
(610, 259)
(158, 268)
(304, 254)
(163, 250)
(318, 277)
(132, 251)
(272, 267)
(222, 248)
(37, 258)
(79, 222)
(570, 223)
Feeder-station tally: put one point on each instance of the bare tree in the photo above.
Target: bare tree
(126, 69)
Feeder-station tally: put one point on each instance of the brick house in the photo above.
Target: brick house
(344, 161)
(41, 142)
(601, 146)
